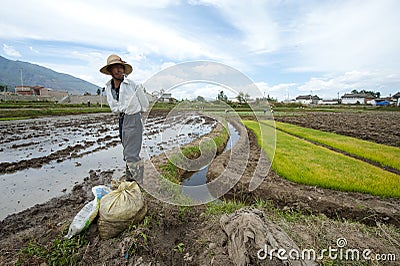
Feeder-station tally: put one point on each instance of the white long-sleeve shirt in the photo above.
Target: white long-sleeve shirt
(132, 99)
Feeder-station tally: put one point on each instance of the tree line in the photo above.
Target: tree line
(373, 93)
(3, 88)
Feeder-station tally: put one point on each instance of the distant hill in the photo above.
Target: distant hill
(35, 75)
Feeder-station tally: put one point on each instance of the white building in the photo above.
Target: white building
(396, 99)
(166, 97)
(160, 96)
(328, 101)
(357, 98)
(308, 99)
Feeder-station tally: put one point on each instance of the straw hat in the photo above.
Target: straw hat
(115, 59)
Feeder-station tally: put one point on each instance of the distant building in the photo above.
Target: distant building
(165, 97)
(357, 98)
(382, 101)
(160, 96)
(287, 101)
(308, 99)
(40, 91)
(152, 98)
(396, 99)
(328, 101)
(28, 90)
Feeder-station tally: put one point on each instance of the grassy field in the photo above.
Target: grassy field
(383, 154)
(25, 110)
(34, 113)
(12, 110)
(306, 163)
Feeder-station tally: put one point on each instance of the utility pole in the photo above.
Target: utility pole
(5, 93)
(22, 83)
(101, 97)
(288, 98)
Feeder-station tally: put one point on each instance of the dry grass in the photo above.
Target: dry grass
(318, 232)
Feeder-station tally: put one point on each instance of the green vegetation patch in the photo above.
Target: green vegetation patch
(382, 154)
(23, 113)
(59, 251)
(13, 110)
(306, 163)
(225, 206)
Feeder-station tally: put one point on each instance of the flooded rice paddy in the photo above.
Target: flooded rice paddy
(45, 157)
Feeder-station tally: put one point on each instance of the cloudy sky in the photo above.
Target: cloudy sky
(286, 47)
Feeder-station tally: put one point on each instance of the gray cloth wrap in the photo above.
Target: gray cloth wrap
(132, 130)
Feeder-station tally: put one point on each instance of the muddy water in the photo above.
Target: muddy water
(23, 189)
(199, 178)
(61, 151)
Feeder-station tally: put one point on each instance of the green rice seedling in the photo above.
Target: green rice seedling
(383, 154)
(306, 163)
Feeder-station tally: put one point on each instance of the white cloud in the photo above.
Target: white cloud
(375, 81)
(266, 89)
(198, 71)
(136, 31)
(87, 68)
(329, 86)
(130, 27)
(33, 50)
(209, 70)
(190, 91)
(10, 51)
(253, 20)
(340, 44)
(280, 91)
(349, 35)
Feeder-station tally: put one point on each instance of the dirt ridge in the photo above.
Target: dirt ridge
(376, 126)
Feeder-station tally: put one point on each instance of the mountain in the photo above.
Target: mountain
(35, 75)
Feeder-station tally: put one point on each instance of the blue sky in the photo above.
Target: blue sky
(288, 47)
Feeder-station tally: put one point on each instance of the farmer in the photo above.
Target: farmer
(127, 98)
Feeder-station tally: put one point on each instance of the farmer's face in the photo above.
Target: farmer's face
(117, 71)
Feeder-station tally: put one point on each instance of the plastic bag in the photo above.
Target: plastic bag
(119, 208)
(88, 213)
